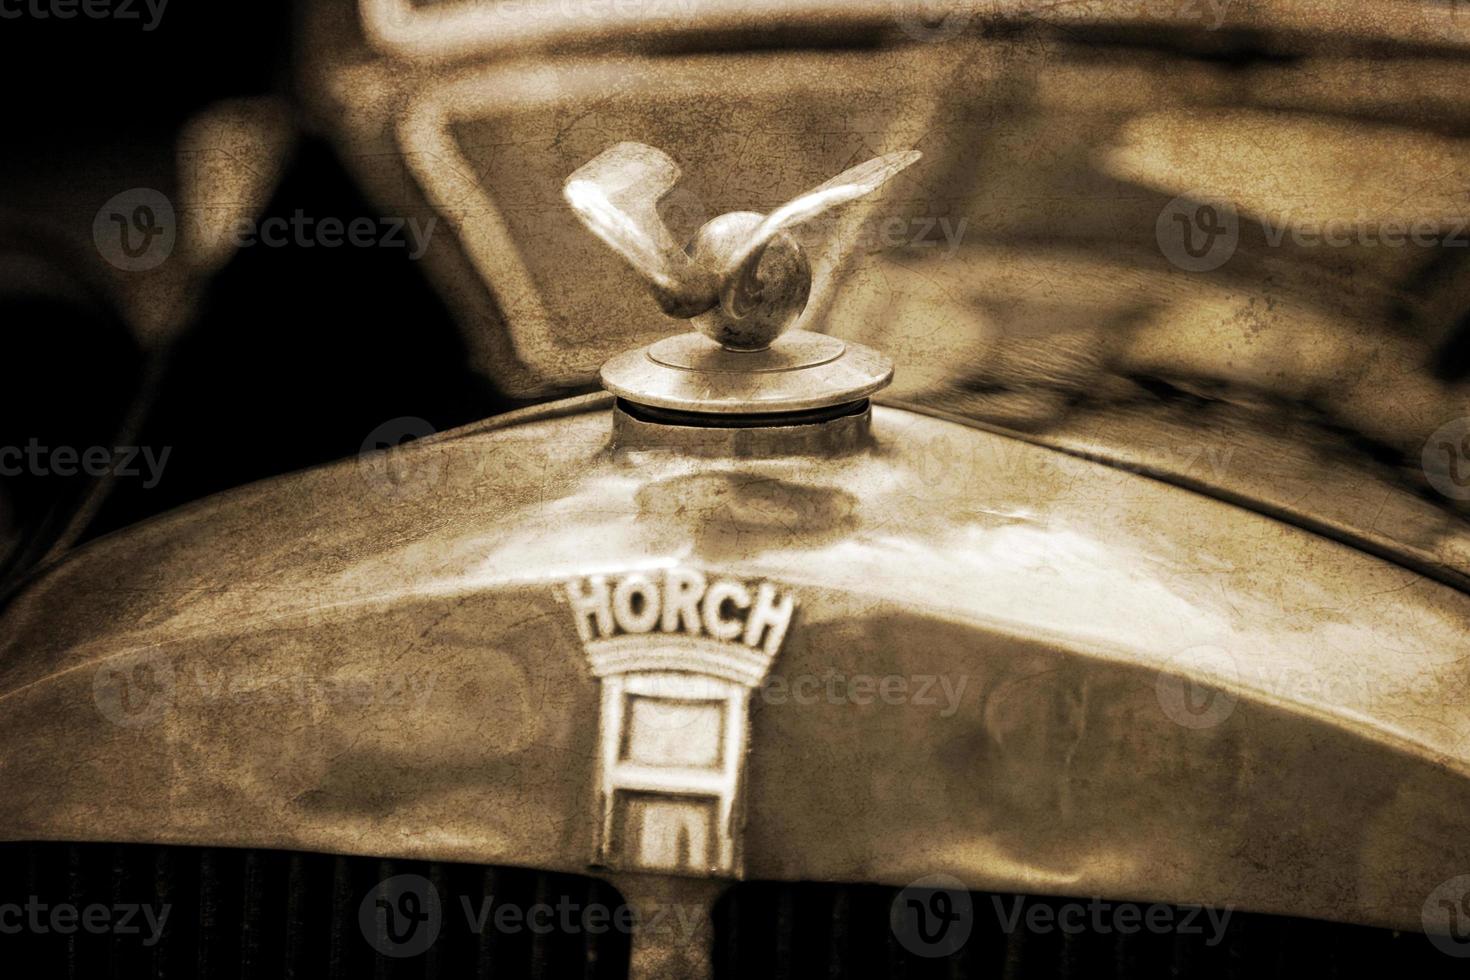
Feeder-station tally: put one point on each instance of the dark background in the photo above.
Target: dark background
(293, 357)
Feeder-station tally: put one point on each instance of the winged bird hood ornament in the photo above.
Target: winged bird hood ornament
(743, 278)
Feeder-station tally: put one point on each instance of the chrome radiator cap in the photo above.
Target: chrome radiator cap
(799, 372)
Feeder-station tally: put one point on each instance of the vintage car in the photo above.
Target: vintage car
(1038, 548)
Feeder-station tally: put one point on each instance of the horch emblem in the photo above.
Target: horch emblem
(678, 654)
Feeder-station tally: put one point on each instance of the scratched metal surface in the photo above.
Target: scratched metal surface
(351, 662)
(1017, 275)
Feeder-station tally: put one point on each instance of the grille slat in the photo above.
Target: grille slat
(265, 914)
(487, 946)
(338, 925)
(257, 913)
(758, 924)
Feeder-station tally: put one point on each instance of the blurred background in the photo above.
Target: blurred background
(1221, 241)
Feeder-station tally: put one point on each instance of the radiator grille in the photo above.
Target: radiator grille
(272, 914)
(809, 931)
(260, 913)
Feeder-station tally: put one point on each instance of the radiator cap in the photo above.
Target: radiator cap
(800, 371)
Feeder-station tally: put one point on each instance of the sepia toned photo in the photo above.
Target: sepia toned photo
(684, 489)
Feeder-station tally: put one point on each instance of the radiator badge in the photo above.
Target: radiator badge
(677, 654)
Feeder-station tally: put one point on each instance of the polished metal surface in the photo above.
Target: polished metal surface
(742, 278)
(742, 281)
(1113, 686)
(800, 371)
(821, 434)
(733, 620)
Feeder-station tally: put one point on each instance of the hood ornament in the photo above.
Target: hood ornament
(743, 281)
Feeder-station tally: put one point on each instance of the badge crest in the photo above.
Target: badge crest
(677, 654)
